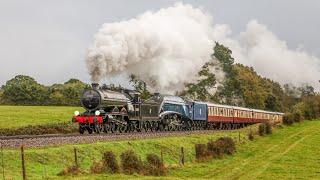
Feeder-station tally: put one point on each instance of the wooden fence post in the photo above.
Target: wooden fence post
(75, 157)
(24, 176)
(44, 167)
(182, 156)
(239, 137)
(2, 163)
(161, 153)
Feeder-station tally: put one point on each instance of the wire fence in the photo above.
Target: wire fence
(45, 163)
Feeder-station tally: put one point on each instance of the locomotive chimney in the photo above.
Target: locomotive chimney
(95, 85)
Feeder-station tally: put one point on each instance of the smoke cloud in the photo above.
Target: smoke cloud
(165, 48)
(260, 48)
(168, 47)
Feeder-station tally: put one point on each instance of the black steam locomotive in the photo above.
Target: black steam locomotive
(122, 110)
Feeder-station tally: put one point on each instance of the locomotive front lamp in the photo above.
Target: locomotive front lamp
(97, 113)
(76, 113)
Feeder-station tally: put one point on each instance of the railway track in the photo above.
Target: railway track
(61, 139)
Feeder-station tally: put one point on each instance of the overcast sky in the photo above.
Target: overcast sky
(48, 39)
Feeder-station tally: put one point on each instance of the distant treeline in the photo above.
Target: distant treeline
(25, 90)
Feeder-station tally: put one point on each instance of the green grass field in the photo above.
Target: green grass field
(20, 116)
(289, 153)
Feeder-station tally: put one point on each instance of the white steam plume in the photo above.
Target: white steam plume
(165, 48)
(168, 47)
(260, 48)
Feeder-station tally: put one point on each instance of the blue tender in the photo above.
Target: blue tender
(199, 111)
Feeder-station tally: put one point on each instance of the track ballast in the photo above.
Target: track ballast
(62, 139)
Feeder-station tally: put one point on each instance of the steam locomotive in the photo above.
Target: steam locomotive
(122, 110)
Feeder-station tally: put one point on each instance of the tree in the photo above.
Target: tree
(140, 86)
(229, 93)
(68, 93)
(201, 90)
(306, 90)
(24, 90)
(224, 55)
(72, 81)
(1, 96)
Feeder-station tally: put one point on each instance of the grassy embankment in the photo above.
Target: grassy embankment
(20, 116)
(290, 152)
(16, 119)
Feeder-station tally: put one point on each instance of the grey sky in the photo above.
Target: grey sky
(48, 39)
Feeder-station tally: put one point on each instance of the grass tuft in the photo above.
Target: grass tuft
(154, 166)
(131, 163)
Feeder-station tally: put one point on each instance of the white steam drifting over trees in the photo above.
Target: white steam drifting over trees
(260, 48)
(167, 48)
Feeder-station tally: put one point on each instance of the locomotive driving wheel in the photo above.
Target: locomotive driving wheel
(113, 127)
(89, 129)
(81, 129)
(107, 127)
(97, 128)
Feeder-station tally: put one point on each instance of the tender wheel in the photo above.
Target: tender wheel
(122, 128)
(161, 127)
(106, 128)
(145, 126)
(113, 127)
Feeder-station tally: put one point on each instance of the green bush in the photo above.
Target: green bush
(224, 145)
(288, 119)
(214, 149)
(71, 170)
(201, 152)
(97, 167)
(268, 128)
(262, 129)
(130, 162)
(297, 117)
(251, 136)
(154, 165)
(110, 162)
